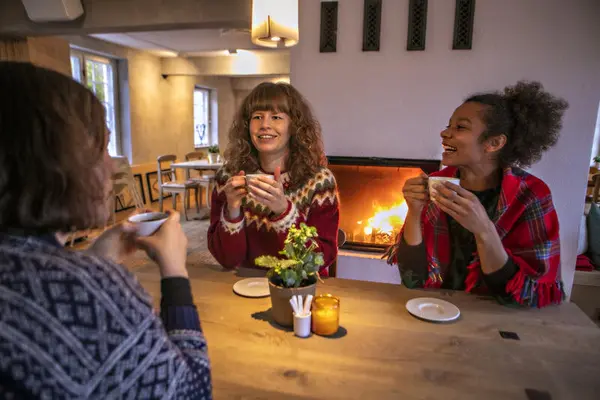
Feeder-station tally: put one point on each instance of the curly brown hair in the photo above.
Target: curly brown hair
(530, 117)
(306, 154)
(52, 142)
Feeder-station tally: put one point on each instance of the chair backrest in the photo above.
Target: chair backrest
(341, 238)
(194, 155)
(596, 190)
(123, 178)
(163, 176)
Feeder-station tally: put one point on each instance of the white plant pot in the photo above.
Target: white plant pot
(213, 158)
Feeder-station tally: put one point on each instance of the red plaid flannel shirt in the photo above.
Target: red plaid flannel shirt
(528, 227)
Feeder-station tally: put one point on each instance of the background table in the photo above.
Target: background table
(197, 164)
(384, 352)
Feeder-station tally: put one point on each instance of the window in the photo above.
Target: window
(202, 128)
(98, 74)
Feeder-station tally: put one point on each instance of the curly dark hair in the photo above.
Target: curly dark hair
(306, 155)
(52, 141)
(530, 117)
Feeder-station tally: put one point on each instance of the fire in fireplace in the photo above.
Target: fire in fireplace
(372, 207)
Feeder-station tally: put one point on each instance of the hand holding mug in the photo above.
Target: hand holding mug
(269, 192)
(235, 190)
(416, 193)
(115, 243)
(168, 247)
(463, 206)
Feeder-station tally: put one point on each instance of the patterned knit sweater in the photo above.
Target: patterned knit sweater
(73, 326)
(257, 232)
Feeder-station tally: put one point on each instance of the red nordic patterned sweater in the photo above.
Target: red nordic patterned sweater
(257, 232)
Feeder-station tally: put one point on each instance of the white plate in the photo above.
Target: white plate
(252, 287)
(431, 309)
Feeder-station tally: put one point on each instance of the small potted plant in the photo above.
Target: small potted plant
(213, 154)
(597, 162)
(296, 274)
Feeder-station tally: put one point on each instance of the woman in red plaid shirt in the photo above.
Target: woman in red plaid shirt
(497, 232)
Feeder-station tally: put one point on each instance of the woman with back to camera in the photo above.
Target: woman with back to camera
(76, 324)
(498, 231)
(274, 132)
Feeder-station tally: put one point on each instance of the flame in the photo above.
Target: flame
(385, 220)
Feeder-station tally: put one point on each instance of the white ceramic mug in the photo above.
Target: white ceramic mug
(254, 176)
(302, 324)
(433, 181)
(148, 223)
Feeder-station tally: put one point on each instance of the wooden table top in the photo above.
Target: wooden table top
(197, 164)
(384, 352)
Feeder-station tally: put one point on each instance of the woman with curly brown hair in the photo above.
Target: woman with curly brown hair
(274, 132)
(497, 232)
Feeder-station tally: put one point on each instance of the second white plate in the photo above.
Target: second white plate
(252, 287)
(431, 309)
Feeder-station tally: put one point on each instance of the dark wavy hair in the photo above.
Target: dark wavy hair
(530, 117)
(306, 155)
(52, 141)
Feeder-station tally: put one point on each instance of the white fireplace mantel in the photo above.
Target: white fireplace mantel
(365, 266)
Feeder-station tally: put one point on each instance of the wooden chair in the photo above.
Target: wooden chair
(204, 181)
(194, 155)
(168, 183)
(341, 241)
(123, 179)
(596, 189)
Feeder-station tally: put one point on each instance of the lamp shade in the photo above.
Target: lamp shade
(275, 23)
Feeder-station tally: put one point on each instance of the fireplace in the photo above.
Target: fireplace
(372, 207)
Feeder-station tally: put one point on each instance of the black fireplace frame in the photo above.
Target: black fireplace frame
(428, 166)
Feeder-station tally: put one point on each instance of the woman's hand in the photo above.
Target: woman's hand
(416, 193)
(269, 192)
(168, 247)
(235, 190)
(115, 243)
(464, 207)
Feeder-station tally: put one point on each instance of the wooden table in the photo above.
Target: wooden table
(197, 164)
(384, 352)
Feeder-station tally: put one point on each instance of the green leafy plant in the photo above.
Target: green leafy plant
(213, 149)
(597, 159)
(301, 264)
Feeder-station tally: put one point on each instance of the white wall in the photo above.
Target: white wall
(393, 103)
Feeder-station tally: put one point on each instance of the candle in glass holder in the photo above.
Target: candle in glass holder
(325, 314)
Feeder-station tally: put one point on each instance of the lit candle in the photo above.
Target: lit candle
(325, 315)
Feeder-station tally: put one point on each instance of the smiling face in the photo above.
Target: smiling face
(269, 131)
(461, 138)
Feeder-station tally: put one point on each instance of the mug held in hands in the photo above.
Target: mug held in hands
(250, 177)
(148, 223)
(434, 181)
